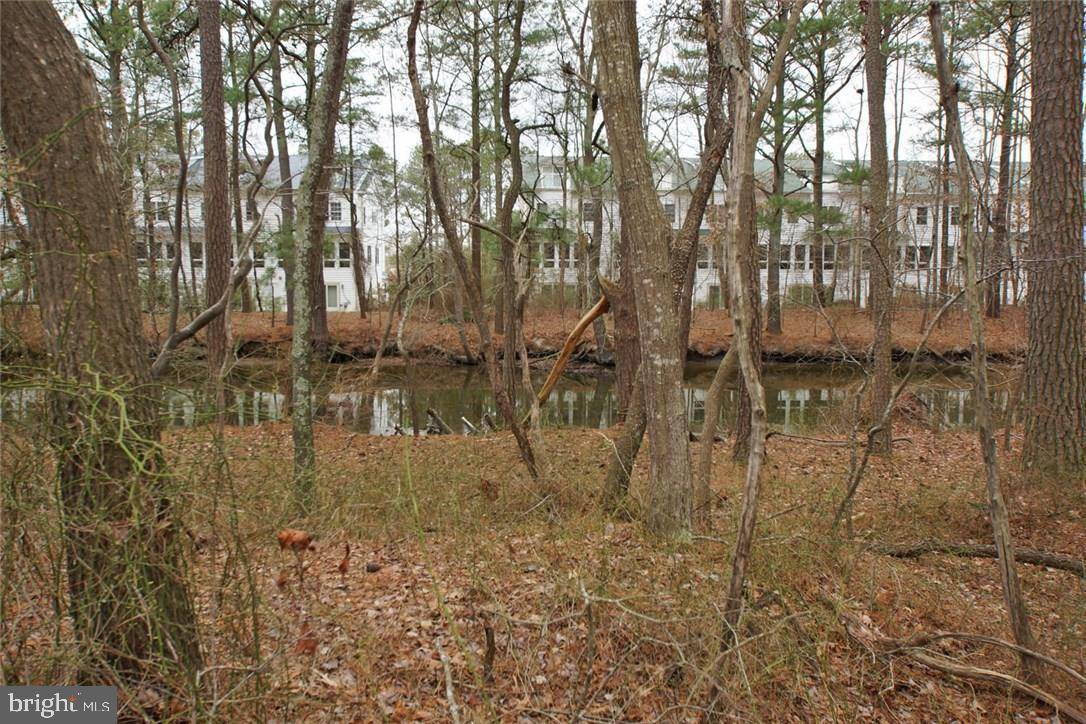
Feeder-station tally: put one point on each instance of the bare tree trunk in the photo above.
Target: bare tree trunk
(1055, 376)
(476, 147)
(1001, 252)
(285, 248)
(130, 607)
(747, 122)
(773, 266)
(235, 169)
(997, 508)
(944, 238)
(472, 286)
(182, 171)
(714, 397)
(312, 209)
(512, 328)
(741, 176)
(747, 259)
(880, 226)
(215, 191)
(670, 495)
(358, 262)
(818, 253)
(495, 57)
(592, 262)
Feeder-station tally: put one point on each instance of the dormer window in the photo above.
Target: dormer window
(335, 211)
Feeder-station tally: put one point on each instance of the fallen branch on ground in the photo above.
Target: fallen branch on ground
(437, 423)
(975, 550)
(866, 634)
(822, 440)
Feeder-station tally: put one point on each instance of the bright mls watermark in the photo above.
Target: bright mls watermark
(62, 704)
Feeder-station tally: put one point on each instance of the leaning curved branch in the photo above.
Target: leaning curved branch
(598, 310)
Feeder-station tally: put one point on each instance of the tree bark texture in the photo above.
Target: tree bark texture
(1055, 375)
(312, 210)
(125, 566)
(997, 507)
(880, 226)
(285, 248)
(216, 191)
(1000, 251)
(670, 494)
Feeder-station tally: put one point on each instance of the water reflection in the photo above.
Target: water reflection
(798, 399)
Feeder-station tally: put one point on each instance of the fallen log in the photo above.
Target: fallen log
(436, 423)
(974, 550)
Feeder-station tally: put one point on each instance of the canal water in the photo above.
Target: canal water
(800, 398)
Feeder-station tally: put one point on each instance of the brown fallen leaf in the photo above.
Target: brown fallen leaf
(295, 540)
(345, 564)
(307, 641)
(281, 579)
(489, 489)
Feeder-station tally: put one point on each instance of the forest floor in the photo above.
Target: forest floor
(587, 615)
(808, 335)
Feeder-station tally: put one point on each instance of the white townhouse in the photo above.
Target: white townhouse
(373, 221)
(920, 209)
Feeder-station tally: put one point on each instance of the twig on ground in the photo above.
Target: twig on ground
(450, 694)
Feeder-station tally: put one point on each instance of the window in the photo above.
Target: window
(196, 251)
(258, 255)
(141, 251)
(377, 255)
(786, 257)
(547, 255)
(162, 211)
(829, 251)
(250, 210)
(338, 255)
(714, 296)
(335, 211)
(955, 215)
(542, 209)
(669, 212)
(924, 261)
(588, 211)
(331, 296)
(763, 256)
(167, 250)
(369, 253)
(705, 259)
(921, 215)
(568, 255)
(800, 253)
